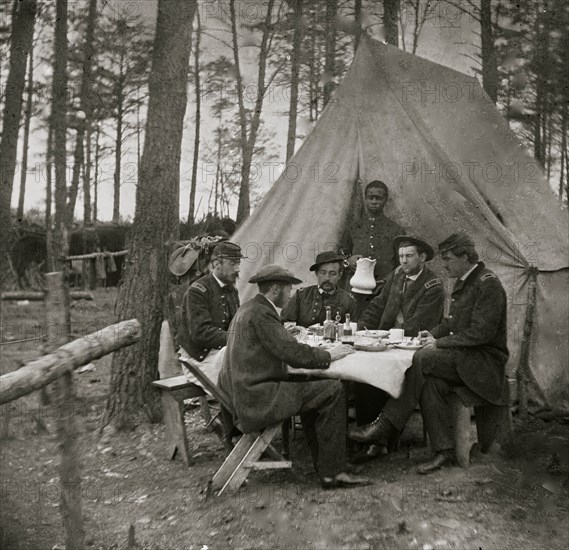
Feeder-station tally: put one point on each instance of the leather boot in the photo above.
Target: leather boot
(442, 458)
(379, 432)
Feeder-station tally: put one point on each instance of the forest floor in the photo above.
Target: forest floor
(517, 497)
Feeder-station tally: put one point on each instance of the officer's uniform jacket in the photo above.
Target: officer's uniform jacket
(308, 306)
(254, 369)
(476, 329)
(422, 303)
(373, 238)
(208, 310)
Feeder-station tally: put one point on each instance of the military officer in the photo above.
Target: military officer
(468, 348)
(412, 299)
(209, 306)
(308, 306)
(255, 376)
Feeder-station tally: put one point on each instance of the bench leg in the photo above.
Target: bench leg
(175, 428)
(285, 448)
(236, 467)
(461, 427)
(489, 421)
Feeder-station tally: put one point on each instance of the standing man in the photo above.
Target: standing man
(209, 306)
(308, 305)
(468, 348)
(412, 299)
(373, 235)
(254, 375)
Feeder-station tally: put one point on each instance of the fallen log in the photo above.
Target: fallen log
(36, 295)
(93, 255)
(40, 372)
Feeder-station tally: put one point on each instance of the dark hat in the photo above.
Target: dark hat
(227, 249)
(454, 241)
(425, 246)
(276, 273)
(325, 258)
(182, 259)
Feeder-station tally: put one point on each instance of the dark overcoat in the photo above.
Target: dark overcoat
(476, 329)
(308, 306)
(207, 312)
(422, 303)
(254, 371)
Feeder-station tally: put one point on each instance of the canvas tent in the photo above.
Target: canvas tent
(451, 163)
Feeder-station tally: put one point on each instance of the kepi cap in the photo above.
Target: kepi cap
(274, 273)
(325, 258)
(227, 249)
(427, 248)
(455, 240)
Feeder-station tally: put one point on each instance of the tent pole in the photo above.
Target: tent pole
(523, 366)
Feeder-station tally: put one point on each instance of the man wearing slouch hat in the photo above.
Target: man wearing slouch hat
(255, 376)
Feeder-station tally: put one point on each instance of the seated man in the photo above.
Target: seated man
(468, 348)
(254, 375)
(209, 306)
(412, 299)
(308, 305)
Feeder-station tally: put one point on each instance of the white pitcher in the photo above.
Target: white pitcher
(363, 281)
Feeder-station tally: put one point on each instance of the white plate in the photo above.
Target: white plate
(408, 346)
(372, 333)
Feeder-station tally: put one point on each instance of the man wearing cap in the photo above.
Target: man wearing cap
(412, 299)
(254, 375)
(373, 235)
(210, 304)
(468, 348)
(308, 306)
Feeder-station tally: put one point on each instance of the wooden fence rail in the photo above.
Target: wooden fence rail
(42, 371)
(37, 295)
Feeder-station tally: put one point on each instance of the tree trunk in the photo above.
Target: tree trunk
(58, 114)
(27, 120)
(118, 148)
(87, 176)
(85, 107)
(197, 83)
(96, 178)
(330, 49)
(48, 198)
(156, 221)
(23, 19)
(294, 76)
(391, 21)
(563, 176)
(248, 146)
(358, 18)
(488, 51)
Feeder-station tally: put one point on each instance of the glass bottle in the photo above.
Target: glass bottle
(329, 332)
(338, 327)
(347, 326)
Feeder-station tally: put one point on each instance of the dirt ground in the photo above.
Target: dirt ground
(516, 497)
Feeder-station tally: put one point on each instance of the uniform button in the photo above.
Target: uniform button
(201, 356)
(453, 300)
(450, 316)
(452, 333)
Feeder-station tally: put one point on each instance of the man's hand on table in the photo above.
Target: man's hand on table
(353, 260)
(428, 340)
(340, 352)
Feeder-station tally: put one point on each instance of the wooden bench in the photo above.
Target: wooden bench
(173, 392)
(492, 422)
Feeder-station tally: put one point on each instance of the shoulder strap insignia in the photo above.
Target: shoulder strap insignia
(488, 276)
(200, 287)
(432, 283)
(398, 269)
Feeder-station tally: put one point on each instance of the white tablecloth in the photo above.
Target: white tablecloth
(383, 369)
